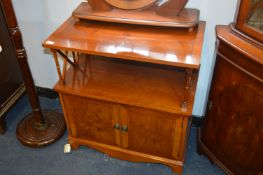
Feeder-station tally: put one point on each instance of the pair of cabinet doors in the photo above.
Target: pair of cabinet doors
(133, 128)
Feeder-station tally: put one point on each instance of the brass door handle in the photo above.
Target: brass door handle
(116, 126)
(124, 128)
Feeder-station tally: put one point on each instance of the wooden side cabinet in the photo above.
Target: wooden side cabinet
(126, 92)
(109, 115)
(11, 81)
(231, 135)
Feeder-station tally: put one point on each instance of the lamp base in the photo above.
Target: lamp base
(31, 134)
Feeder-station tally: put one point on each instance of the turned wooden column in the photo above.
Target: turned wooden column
(37, 128)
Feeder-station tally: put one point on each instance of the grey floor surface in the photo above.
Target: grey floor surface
(16, 159)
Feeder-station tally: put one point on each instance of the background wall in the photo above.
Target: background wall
(38, 19)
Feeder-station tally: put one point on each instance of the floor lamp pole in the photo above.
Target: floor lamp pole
(38, 128)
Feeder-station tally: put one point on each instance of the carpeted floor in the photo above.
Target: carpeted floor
(16, 159)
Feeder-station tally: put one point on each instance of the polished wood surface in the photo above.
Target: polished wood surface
(168, 46)
(93, 121)
(100, 123)
(11, 81)
(241, 45)
(22, 57)
(156, 87)
(231, 132)
(156, 130)
(99, 5)
(32, 134)
(130, 4)
(188, 18)
(172, 8)
(241, 26)
(109, 102)
(34, 130)
(126, 132)
(128, 90)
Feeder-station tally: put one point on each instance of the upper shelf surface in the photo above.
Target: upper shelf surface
(160, 45)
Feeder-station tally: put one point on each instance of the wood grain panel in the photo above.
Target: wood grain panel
(155, 130)
(161, 45)
(232, 129)
(90, 119)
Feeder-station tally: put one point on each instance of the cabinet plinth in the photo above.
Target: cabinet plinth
(125, 93)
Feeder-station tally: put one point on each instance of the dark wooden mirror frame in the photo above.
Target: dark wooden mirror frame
(242, 27)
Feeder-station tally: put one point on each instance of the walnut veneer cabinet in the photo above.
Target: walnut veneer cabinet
(128, 90)
(231, 135)
(11, 81)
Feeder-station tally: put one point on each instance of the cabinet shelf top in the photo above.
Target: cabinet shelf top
(161, 45)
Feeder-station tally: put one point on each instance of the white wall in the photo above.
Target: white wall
(39, 18)
(214, 12)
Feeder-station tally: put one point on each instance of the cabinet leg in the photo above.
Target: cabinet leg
(199, 150)
(2, 125)
(73, 145)
(198, 139)
(177, 169)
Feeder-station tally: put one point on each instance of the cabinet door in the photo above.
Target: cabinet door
(232, 129)
(151, 132)
(91, 119)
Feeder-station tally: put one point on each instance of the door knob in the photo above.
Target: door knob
(116, 126)
(124, 128)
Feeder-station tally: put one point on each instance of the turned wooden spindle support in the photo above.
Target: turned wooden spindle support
(66, 60)
(22, 59)
(38, 128)
(55, 56)
(188, 83)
